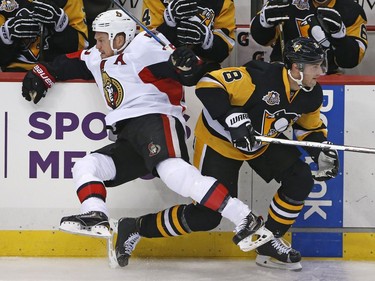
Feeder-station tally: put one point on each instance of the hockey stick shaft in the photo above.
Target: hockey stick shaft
(316, 145)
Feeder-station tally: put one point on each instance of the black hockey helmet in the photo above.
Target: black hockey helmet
(302, 50)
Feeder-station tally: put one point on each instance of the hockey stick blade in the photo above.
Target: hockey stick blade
(112, 260)
(316, 145)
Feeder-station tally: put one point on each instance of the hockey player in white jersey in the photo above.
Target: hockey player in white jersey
(141, 85)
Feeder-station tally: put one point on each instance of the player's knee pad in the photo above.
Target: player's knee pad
(186, 180)
(297, 182)
(93, 167)
(200, 218)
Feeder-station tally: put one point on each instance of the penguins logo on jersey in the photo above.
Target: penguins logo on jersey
(205, 16)
(277, 122)
(8, 5)
(113, 91)
(272, 98)
(301, 4)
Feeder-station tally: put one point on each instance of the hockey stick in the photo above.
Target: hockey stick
(316, 145)
(145, 28)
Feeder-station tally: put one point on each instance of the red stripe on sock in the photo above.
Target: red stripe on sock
(217, 197)
(92, 190)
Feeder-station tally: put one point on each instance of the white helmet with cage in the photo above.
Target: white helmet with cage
(114, 22)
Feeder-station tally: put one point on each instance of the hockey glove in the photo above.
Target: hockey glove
(195, 33)
(48, 13)
(183, 58)
(274, 12)
(36, 83)
(178, 10)
(328, 163)
(19, 28)
(238, 123)
(316, 32)
(331, 22)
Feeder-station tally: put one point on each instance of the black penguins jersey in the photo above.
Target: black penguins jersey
(22, 56)
(263, 91)
(219, 15)
(352, 15)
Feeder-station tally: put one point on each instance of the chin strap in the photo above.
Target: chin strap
(299, 81)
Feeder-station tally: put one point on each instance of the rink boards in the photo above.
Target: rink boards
(40, 143)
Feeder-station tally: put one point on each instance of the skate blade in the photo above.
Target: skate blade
(269, 262)
(112, 260)
(264, 235)
(98, 231)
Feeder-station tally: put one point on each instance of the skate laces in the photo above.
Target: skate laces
(131, 242)
(281, 245)
(245, 223)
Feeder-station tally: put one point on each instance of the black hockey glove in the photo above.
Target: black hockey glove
(178, 10)
(19, 28)
(183, 58)
(194, 33)
(328, 165)
(274, 12)
(331, 22)
(48, 13)
(238, 123)
(36, 83)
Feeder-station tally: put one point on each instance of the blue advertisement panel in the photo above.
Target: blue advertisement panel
(324, 206)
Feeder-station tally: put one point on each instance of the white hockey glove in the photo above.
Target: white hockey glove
(331, 22)
(48, 13)
(274, 12)
(178, 10)
(316, 32)
(238, 123)
(19, 28)
(328, 163)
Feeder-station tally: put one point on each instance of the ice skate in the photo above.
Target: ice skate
(127, 239)
(277, 253)
(92, 223)
(251, 227)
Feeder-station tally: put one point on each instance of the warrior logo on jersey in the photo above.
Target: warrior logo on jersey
(301, 4)
(272, 98)
(278, 122)
(153, 148)
(8, 5)
(113, 91)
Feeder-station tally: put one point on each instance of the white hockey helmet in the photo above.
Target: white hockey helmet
(114, 22)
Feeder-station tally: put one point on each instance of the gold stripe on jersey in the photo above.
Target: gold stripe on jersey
(153, 11)
(312, 123)
(225, 148)
(236, 81)
(358, 30)
(226, 21)
(176, 222)
(76, 14)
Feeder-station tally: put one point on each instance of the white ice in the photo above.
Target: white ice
(141, 269)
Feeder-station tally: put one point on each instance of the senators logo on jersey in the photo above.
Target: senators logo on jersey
(113, 92)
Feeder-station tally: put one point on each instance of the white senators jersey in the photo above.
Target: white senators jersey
(128, 82)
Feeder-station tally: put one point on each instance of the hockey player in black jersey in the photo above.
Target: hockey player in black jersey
(338, 25)
(141, 84)
(206, 26)
(240, 103)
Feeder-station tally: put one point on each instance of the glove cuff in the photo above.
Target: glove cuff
(263, 21)
(341, 33)
(45, 75)
(4, 34)
(63, 22)
(168, 18)
(208, 40)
